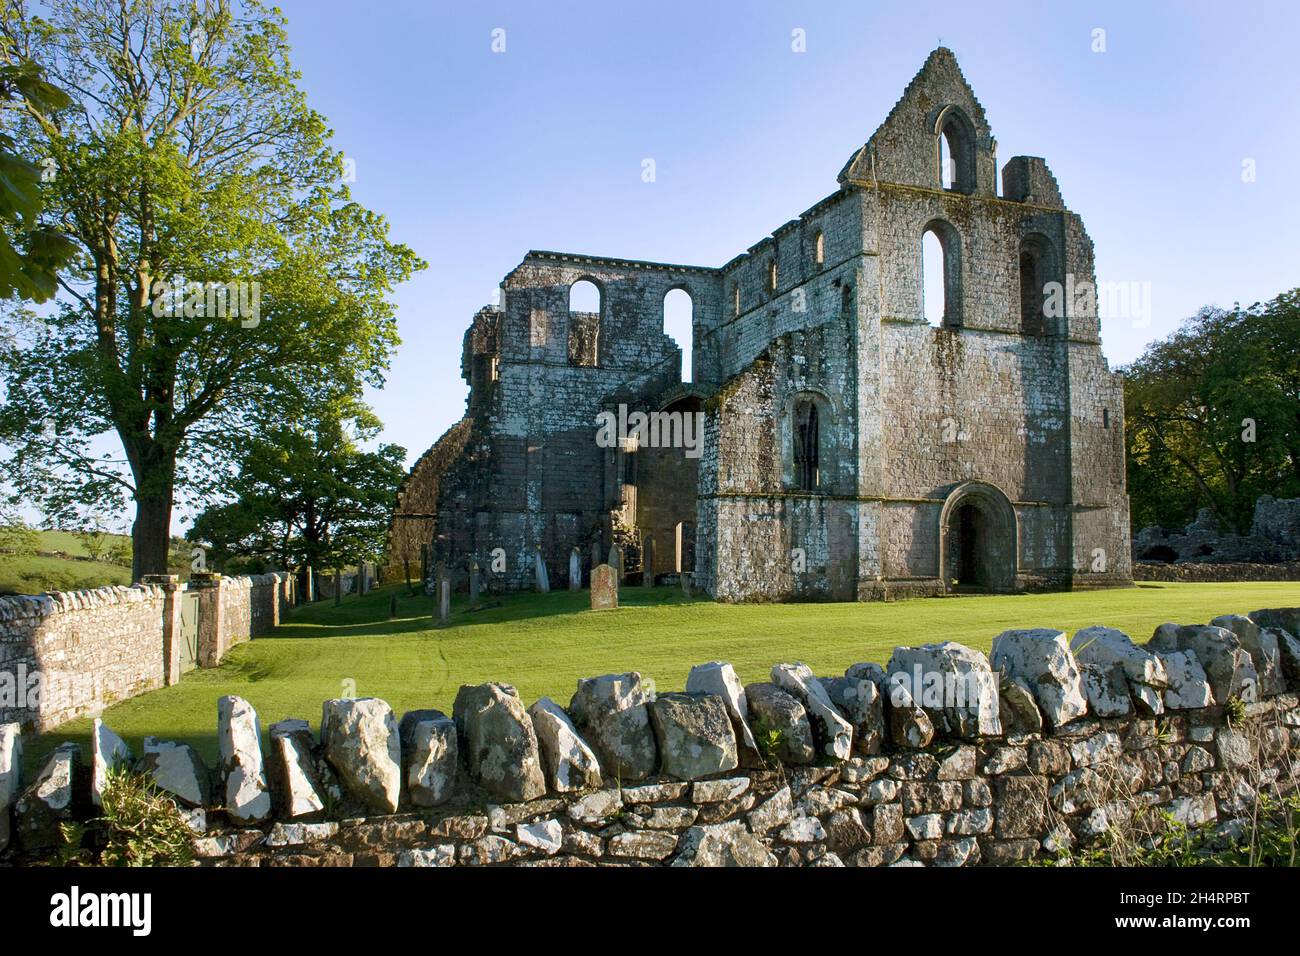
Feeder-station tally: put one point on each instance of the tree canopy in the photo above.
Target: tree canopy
(223, 280)
(1213, 415)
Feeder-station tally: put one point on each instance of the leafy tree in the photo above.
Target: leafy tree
(1213, 415)
(188, 161)
(308, 494)
(31, 253)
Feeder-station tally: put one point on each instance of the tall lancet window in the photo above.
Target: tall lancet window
(807, 468)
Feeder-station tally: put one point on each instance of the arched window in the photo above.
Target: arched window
(941, 274)
(819, 248)
(1035, 273)
(678, 325)
(807, 442)
(735, 299)
(955, 149)
(584, 323)
(771, 275)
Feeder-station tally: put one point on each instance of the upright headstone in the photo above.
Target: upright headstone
(686, 583)
(604, 588)
(444, 600)
(474, 583)
(575, 570)
(616, 562)
(338, 587)
(595, 557)
(424, 568)
(363, 573)
(543, 581)
(311, 585)
(648, 563)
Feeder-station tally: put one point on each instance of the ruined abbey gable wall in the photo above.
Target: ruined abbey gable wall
(895, 456)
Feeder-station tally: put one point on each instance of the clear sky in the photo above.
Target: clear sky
(476, 157)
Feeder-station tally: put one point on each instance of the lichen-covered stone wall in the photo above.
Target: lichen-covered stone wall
(941, 756)
(67, 654)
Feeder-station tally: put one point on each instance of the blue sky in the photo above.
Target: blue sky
(476, 157)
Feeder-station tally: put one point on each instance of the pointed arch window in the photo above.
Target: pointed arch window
(807, 446)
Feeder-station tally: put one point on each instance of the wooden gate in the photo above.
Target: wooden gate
(189, 630)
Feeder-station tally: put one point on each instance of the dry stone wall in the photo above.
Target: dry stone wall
(942, 756)
(67, 654)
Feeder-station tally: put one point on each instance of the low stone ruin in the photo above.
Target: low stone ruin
(942, 756)
(1274, 538)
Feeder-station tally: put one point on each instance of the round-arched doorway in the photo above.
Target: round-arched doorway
(977, 539)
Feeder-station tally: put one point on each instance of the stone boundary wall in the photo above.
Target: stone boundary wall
(1212, 573)
(944, 756)
(67, 654)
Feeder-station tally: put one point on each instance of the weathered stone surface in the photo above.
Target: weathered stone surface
(108, 752)
(694, 735)
(1226, 663)
(720, 678)
(1041, 658)
(1262, 646)
(611, 713)
(863, 706)
(178, 770)
(604, 588)
(49, 800)
(498, 741)
(1105, 648)
(1194, 811)
(776, 811)
(1234, 748)
(596, 808)
(954, 684)
(245, 793)
(717, 791)
(1021, 806)
(300, 834)
(545, 835)
(1188, 688)
(430, 756)
(292, 771)
(846, 831)
(773, 711)
(722, 844)
(11, 771)
(887, 824)
(1017, 708)
(832, 734)
(360, 740)
(643, 845)
(444, 854)
(569, 763)
(909, 725)
(1107, 690)
(1285, 623)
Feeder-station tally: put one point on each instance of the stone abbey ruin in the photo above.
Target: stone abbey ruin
(851, 450)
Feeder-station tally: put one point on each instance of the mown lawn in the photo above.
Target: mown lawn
(543, 643)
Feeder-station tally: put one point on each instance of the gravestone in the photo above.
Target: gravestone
(648, 564)
(338, 587)
(604, 588)
(616, 561)
(595, 555)
(543, 581)
(575, 570)
(686, 583)
(473, 583)
(444, 599)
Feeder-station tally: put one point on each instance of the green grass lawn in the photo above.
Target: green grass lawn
(543, 643)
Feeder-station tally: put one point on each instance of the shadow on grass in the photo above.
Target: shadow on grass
(369, 615)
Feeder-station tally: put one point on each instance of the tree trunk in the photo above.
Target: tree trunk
(151, 535)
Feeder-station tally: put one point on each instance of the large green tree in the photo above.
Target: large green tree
(31, 252)
(224, 280)
(1213, 415)
(308, 493)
